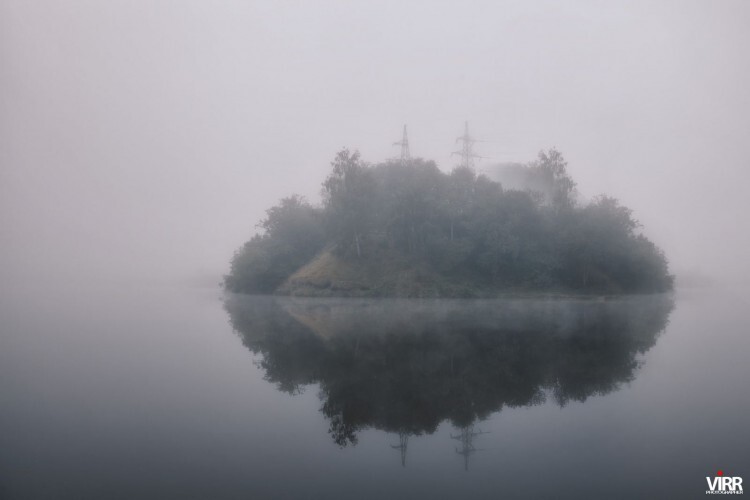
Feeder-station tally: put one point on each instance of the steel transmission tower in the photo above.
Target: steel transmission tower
(467, 148)
(404, 143)
(403, 444)
(466, 438)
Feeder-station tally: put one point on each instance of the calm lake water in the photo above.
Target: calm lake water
(189, 394)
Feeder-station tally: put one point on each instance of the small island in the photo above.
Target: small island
(404, 228)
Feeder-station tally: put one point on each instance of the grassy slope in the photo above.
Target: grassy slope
(391, 274)
(386, 274)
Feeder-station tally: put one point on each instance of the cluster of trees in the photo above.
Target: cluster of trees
(292, 233)
(545, 177)
(463, 225)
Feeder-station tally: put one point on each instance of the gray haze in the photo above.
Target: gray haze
(144, 139)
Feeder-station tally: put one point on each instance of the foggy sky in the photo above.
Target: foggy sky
(143, 140)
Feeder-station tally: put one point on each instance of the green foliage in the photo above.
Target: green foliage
(349, 202)
(463, 226)
(551, 168)
(292, 235)
(604, 251)
(546, 179)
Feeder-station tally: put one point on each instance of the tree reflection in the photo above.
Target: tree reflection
(405, 366)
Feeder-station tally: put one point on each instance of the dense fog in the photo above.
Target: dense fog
(142, 141)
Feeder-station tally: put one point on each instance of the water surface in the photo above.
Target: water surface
(186, 393)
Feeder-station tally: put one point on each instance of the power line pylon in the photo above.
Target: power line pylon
(467, 443)
(403, 438)
(467, 148)
(404, 143)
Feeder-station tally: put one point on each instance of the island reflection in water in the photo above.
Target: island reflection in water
(406, 366)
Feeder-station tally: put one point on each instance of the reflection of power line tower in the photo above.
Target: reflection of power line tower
(404, 143)
(403, 443)
(467, 148)
(467, 443)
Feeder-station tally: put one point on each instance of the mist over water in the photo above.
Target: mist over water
(119, 393)
(142, 142)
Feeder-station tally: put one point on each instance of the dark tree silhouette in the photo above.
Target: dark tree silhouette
(461, 233)
(406, 366)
